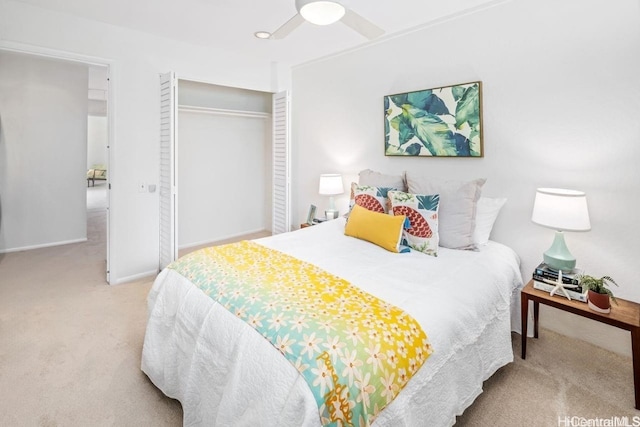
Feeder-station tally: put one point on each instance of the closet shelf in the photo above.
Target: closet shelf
(222, 111)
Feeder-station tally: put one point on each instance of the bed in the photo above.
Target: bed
(226, 374)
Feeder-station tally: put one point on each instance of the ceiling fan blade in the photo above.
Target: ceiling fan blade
(361, 25)
(287, 27)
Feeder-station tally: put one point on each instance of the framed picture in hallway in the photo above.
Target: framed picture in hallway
(438, 122)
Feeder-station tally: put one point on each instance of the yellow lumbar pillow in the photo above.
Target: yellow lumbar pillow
(378, 228)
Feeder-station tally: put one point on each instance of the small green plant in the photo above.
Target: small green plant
(597, 285)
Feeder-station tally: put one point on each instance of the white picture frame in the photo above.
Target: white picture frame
(311, 215)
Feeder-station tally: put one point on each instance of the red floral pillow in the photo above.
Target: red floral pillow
(422, 212)
(371, 198)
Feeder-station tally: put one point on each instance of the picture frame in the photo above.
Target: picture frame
(438, 122)
(311, 215)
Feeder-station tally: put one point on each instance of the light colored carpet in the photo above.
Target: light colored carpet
(97, 196)
(70, 349)
(560, 377)
(70, 344)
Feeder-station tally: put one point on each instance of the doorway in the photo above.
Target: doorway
(98, 160)
(45, 120)
(216, 147)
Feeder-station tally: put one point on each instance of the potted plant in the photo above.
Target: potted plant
(599, 294)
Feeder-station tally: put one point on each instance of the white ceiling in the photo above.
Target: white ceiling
(230, 24)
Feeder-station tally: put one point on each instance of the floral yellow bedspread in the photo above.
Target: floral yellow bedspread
(355, 351)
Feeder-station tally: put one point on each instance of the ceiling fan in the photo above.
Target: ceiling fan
(325, 12)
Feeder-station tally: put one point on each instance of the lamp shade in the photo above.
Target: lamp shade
(320, 12)
(561, 210)
(330, 184)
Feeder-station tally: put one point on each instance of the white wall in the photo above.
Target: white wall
(96, 141)
(221, 176)
(43, 151)
(561, 106)
(199, 94)
(136, 59)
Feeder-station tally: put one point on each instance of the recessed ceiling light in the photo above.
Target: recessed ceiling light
(262, 34)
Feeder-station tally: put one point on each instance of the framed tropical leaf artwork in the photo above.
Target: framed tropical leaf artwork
(440, 122)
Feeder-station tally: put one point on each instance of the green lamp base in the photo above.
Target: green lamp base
(558, 257)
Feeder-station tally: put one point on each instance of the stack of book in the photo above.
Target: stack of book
(544, 278)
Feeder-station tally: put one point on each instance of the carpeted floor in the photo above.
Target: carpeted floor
(70, 350)
(97, 196)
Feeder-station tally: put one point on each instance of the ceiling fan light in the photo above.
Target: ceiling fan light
(320, 12)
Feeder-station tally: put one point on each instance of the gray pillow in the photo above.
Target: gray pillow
(377, 179)
(457, 211)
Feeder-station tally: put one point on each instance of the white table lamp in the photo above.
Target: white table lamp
(561, 210)
(331, 185)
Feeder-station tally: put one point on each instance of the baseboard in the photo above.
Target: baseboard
(220, 239)
(151, 273)
(44, 245)
(134, 277)
(591, 331)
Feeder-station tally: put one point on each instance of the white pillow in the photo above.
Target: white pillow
(486, 213)
(457, 211)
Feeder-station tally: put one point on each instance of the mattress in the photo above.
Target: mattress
(224, 373)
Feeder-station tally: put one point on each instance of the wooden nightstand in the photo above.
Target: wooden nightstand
(315, 222)
(624, 315)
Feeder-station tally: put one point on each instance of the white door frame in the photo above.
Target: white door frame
(87, 60)
(170, 250)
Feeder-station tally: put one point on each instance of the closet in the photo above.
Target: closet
(217, 175)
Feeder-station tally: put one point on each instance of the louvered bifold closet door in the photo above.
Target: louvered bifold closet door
(281, 164)
(168, 174)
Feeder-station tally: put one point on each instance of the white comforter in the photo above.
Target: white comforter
(226, 374)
